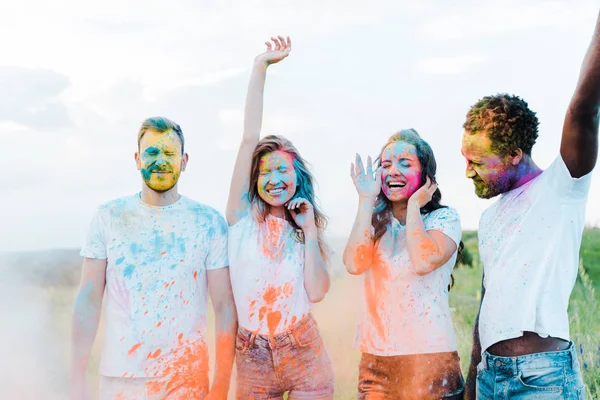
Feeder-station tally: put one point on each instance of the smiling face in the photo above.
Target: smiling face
(492, 174)
(276, 182)
(160, 160)
(400, 171)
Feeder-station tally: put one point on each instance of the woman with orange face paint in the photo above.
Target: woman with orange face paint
(277, 259)
(405, 243)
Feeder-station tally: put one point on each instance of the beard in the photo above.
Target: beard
(488, 190)
(163, 184)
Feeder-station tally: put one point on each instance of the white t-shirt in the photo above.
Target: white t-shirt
(529, 243)
(156, 283)
(267, 275)
(401, 312)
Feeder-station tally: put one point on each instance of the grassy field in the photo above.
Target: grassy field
(337, 317)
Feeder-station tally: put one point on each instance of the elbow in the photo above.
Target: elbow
(352, 267)
(583, 108)
(316, 297)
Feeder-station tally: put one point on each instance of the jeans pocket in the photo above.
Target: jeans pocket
(242, 343)
(307, 337)
(546, 379)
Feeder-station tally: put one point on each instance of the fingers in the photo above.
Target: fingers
(378, 175)
(360, 168)
(277, 45)
(369, 166)
(352, 174)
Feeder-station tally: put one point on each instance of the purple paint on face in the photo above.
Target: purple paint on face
(491, 173)
(276, 178)
(400, 171)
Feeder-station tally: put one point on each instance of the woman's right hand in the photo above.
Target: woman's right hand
(367, 185)
(276, 52)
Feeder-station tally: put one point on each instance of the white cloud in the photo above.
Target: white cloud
(448, 65)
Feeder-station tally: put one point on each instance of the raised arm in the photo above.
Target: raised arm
(428, 250)
(86, 315)
(358, 254)
(579, 144)
(238, 201)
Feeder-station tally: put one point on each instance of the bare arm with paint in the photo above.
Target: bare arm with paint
(358, 254)
(428, 250)
(579, 144)
(471, 382)
(238, 202)
(316, 277)
(86, 314)
(221, 295)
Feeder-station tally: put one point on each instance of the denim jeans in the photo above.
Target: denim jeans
(548, 375)
(294, 361)
(429, 376)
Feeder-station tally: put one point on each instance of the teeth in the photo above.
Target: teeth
(275, 191)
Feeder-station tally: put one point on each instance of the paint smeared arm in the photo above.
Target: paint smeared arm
(238, 201)
(428, 249)
(358, 254)
(470, 383)
(579, 144)
(221, 295)
(316, 277)
(86, 314)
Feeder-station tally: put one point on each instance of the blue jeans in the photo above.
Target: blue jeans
(549, 375)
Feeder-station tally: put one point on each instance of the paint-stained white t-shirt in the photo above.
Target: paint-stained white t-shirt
(267, 274)
(401, 312)
(156, 283)
(529, 243)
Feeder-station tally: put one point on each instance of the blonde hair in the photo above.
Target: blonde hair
(160, 125)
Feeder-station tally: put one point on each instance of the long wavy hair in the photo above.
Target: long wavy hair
(304, 188)
(382, 214)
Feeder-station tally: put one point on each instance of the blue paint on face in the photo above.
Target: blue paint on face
(128, 271)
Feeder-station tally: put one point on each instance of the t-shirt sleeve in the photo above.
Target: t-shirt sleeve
(564, 184)
(217, 251)
(447, 221)
(95, 242)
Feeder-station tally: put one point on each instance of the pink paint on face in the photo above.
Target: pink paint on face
(492, 174)
(400, 171)
(276, 182)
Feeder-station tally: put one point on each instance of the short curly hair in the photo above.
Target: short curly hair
(509, 122)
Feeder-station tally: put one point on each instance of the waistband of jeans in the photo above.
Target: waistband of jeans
(304, 324)
(567, 357)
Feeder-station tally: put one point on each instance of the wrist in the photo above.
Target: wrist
(367, 200)
(260, 64)
(310, 232)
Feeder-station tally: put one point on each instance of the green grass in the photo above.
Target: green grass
(338, 313)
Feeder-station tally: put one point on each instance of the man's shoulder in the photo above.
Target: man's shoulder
(120, 203)
(204, 211)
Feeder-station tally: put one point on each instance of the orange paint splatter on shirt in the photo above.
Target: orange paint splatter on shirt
(153, 355)
(134, 348)
(195, 275)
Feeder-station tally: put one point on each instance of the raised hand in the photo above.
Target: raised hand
(424, 194)
(303, 213)
(367, 185)
(276, 52)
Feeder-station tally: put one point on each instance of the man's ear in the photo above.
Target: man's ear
(138, 161)
(516, 156)
(184, 161)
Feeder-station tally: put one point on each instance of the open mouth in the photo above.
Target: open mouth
(396, 185)
(275, 191)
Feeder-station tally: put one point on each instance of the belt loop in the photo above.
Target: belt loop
(573, 354)
(484, 360)
(251, 340)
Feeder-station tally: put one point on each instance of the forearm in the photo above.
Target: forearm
(358, 254)
(586, 99)
(471, 381)
(253, 112)
(86, 315)
(225, 331)
(425, 255)
(316, 277)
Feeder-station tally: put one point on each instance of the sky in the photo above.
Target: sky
(78, 78)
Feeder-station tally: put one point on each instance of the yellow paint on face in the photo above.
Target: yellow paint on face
(160, 160)
(276, 183)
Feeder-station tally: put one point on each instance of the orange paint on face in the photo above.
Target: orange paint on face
(134, 348)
